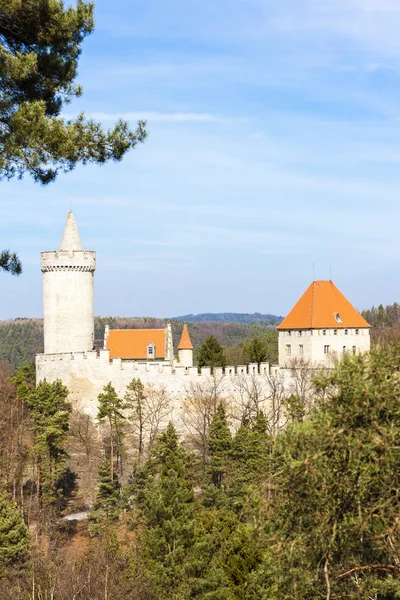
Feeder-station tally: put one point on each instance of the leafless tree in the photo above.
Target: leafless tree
(15, 437)
(158, 409)
(147, 409)
(250, 397)
(276, 402)
(200, 406)
(301, 389)
(84, 431)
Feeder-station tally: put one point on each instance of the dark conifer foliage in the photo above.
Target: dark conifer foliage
(13, 534)
(107, 504)
(40, 44)
(211, 353)
(10, 262)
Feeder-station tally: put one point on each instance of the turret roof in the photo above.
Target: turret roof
(323, 306)
(185, 343)
(70, 239)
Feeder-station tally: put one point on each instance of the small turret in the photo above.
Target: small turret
(185, 349)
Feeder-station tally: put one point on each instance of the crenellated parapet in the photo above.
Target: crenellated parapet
(73, 260)
(103, 358)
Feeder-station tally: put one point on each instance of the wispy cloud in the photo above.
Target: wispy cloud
(176, 117)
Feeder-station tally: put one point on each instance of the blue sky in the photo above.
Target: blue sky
(274, 144)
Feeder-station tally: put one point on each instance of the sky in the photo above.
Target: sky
(273, 157)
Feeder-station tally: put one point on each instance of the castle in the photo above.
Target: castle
(321, 325)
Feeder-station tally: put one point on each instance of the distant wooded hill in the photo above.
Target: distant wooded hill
(21, 339)
(230, 318)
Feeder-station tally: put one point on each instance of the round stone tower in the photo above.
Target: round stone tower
(68, 294)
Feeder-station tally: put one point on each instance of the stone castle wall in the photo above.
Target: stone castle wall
(86, 373)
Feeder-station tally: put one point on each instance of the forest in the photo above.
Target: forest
(21, 339)
(244, 507)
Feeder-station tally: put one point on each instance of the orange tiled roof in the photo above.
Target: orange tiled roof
(132, 343)
(323, 306)
(185, 343)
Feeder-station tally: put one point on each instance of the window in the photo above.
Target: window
(301, 350)
(324, 332)
(346, 332)
(151, 351)
(344, 349)
(289, 333)
(354, 349)
(300, 334)
(337, 317)
(335, 332)
(288, 350)
(357, 331)
(327, 349)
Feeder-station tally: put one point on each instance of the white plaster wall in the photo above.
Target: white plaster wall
(85, 375)
(185, 357)
(68, 301)
(315, 340)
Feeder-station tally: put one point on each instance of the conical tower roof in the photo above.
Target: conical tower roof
(185, 343)
(323, 306)
(70, 239)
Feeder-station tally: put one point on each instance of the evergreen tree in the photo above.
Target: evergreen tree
(13, 534)
(219, 445)
(330, 522)
(50, 412)
(135, 400)
(255, 351)
(10, 262)
(40, 44)
(110, 412)
(107, 504)
(167, 506)
(211, 353)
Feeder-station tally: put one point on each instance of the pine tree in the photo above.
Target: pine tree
(50, 412)
(211, 353)
(110, 412)
(135, 401)
(10, 262)
(40, 44)
(107, 504)
(255, 350)
(331, 519)
(219, 445)
(13, 533)
(167, 507)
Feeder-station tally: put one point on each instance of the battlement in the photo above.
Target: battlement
(116, 364)
(68, 260)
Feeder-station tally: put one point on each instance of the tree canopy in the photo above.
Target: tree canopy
(211, 353)
(40, 44)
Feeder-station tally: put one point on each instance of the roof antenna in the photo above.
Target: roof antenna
(313, 271)
(330, 272)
